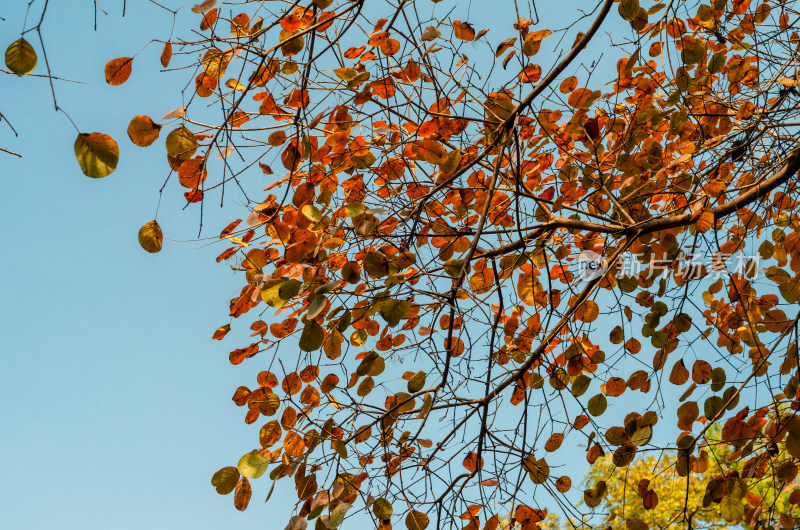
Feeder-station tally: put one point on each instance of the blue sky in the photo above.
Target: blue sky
(116, 403)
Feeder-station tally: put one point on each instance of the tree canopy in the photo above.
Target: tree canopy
(483, 257)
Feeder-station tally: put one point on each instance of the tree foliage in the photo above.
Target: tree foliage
(426, 348)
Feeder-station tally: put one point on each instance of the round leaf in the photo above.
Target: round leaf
(97, 154)
(225, 480)
(312, 337)
(382, 509)
(252, 465)
(597, 405)
(143, 131)
(416, 520)
(20, 57)
(181, 144)
(118, 70)
(151, 237)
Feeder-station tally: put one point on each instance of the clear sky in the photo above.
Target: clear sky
(116, 404)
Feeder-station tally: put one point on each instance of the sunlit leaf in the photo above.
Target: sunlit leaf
(252, 465)
(181, 143)
(118, 70)
(20, 57)
(143, 131)
(225, 480)
(97, 154)
(150, 237)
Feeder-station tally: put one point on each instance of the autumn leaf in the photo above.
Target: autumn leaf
(463, 31)
(20, 57)
(97, 154)
(118, 70)
(143, 131)
(150, 237)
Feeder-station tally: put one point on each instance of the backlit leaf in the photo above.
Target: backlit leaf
(143, 131)
(181, 144)
(242, 494)
(225, 480)
(150, 237)
(252, 465)
(416, 520)
(97, 154)
(20, 57)
(118, 70)
(166, 54)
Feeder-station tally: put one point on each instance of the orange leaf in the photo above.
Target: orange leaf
(294, 445)
(463, 31)
(166, 54)
(470, 461)
(384, 88)
(429, 151)
(221, 331)
(579, 98)
(242, 494)
(705, 221)
(292, 384)
(143, 131)
(531, 74)
(192, 173)
(568, 85)
(118, 70)
(208, 20)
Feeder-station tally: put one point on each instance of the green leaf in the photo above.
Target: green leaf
(731, 509)
(376, 265)
(393, 311)
(538, 470)
(790, 291)
(97, 154)
(345, 74)
(382, 509)
(225, 480)
(151, 237)
(20, 57)
(777, 275)
(181, 144)
(312, 337)
(628, 9)
(365, 387)
(453, 267)
(452, 162)
(316, 307)
(580, 385)
(417, 382)
(337, 515)
(693, 51)
(597, 405)
(253, 465)
(289, 289)
(311, 213)
(716, 63)
(354, 209)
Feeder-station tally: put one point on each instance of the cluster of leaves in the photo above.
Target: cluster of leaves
(429, 214)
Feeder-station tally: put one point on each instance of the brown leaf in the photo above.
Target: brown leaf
(242, 494)
(166, 54)
(118, 70)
